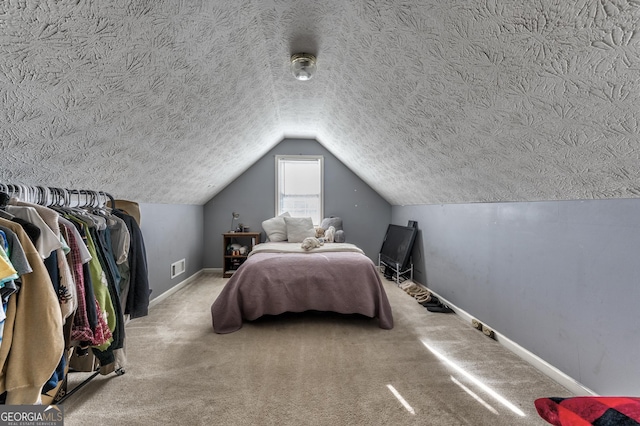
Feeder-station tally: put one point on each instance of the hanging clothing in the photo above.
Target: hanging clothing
(51, 247)
(82, 330)
(101, 315)
(48, 241)
(86, 265)
(11, 245)
(7, 271)
(138, 289)
(7, 274)
(100, 287)
(34, 322)
(120, 238)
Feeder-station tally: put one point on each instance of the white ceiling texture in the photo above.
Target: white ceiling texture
(428, 101)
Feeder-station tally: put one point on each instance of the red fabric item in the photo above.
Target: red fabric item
(590, 410)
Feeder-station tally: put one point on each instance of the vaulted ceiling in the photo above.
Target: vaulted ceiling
(428, 101)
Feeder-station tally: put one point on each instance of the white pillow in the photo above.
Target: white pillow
(299, 228)
(276, 228)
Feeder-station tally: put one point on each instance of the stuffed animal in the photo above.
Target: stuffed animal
(329, 234)
(311, 243)
(319, 232)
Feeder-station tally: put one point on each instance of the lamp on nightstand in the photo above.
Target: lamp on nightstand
(235, 216)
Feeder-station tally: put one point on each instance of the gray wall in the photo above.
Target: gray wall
(364, 213)
(171, 232)
(561, 279)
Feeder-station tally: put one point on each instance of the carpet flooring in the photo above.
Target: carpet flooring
(309, 369)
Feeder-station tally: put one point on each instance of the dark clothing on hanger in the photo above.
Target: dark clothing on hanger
(138, 298)
(33, 232)
(104, 254)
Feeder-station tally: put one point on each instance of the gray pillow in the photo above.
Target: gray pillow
(299, 228)
(275, 228)
(334, 221)
(339, 237)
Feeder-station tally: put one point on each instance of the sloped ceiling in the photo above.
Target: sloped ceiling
(167, 101)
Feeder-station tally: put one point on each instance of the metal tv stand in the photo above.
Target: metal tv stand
(397, 272)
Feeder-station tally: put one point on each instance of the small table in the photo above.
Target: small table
(232, 261)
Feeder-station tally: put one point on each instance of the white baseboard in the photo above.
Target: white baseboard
(543, 366)
(175, 288)
(182, 284)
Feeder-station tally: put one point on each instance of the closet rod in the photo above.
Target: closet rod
(54, 195)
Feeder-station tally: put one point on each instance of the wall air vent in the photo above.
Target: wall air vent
(177, 268)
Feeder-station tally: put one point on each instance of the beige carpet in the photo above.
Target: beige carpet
(309, 369)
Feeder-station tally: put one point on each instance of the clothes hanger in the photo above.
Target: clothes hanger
(30, 194)
(43, 195)
(24, 193)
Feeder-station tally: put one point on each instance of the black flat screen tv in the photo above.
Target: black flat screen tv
(397, 246)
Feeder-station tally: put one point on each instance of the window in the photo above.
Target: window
(299, 186)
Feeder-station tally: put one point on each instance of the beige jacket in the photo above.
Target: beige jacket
(33, 339)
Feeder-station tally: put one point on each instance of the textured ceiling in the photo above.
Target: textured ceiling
(428, 101)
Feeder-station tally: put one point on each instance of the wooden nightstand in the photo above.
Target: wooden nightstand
(232, 261)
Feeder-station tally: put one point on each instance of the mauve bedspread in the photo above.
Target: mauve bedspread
(271, 283)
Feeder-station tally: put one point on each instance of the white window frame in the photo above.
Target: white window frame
(315, 158)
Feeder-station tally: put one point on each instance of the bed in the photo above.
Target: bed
(280, 277)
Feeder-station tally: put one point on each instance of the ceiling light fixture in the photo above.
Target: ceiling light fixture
(303, 66)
